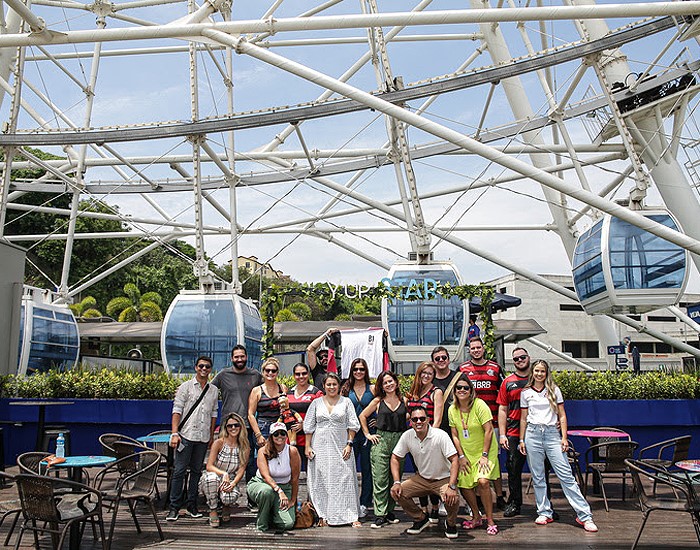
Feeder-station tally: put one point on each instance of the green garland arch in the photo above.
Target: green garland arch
(276, 295)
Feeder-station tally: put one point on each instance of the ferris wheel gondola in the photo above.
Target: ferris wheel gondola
(621, 268)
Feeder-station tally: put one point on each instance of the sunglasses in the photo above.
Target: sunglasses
(279, 434)
(270, 371)
(519, 358)
(204, 366)
(358, 370)
(323, 356)
(232, 426)
(301, 374)
(419, 419)
(462, 388)
(441, 358)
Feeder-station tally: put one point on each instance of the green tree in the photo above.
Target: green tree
(301, 310)
(135, 306)
(86, 309)
(285, 315)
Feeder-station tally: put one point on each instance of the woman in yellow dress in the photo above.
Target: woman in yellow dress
(472, 432)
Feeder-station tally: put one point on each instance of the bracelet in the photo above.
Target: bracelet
(502, 436)
(522, 441)
(349, 442)
(460, 457)
(257, 435)
(397, 483)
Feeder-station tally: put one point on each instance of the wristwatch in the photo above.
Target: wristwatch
(485, 454)
(453, 486)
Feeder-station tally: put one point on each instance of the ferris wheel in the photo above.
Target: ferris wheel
(335, 133)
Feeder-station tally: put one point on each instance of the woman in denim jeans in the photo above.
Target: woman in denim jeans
(542, 406)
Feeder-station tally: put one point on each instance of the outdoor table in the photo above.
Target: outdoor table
(689, 465)
(170, 460)
(76, 465)
(42, 416)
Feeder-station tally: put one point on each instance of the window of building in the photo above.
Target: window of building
(503, 289)
(661, 318)
(645, 347)
(581, 349)
(570, 307)
(635, 317)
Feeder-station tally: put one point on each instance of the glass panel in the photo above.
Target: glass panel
(253, 330)
(54, 343)
(431, 322)
(640, 260)
(200, 327)
(588, 264)
(21, 335)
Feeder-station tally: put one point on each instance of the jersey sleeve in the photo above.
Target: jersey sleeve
(523, 399)
(558, 396)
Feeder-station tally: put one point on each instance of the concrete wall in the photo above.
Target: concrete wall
(11, 278)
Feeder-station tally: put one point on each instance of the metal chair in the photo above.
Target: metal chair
(165, 469)
(677, 447)
(121, 446)
(16, 512)
(57, 505)
(614, 453)
(688, 501)
(30, 462)
(137, 486)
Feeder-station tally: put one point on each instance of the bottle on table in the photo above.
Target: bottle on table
(60, 446)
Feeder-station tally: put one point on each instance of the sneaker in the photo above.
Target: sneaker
(194, 513)
(252, 507)
(451, 531)
(363, 511)
(172, 515)
(379, 522)
(500, 503)
(418, 526)
(543, 520)
(588, 525)
(441, 510)
(434, 517)
(511, 510)
(391, 518)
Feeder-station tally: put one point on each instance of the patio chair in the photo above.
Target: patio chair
(668, 452)
(54, 505)
(572, 456)
(16, 511)
(165, 469)
(30, 462)
(137, 486)
(685, 498)
(614, 453)
(120, 446)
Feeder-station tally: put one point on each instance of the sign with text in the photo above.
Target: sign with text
(694, 312)
(616, 350)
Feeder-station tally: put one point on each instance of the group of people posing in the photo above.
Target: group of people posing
(450, 422)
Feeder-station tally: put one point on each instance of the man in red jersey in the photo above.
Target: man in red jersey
(487, 376)
(509, 428)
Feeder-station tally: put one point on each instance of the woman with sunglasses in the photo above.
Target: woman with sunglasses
(226, 465)
(473, 436)
(276, 484)
(541, 409)
(264, 401)
(425, 394)
(360, 391)
(391, 416)
(300, 397)
(330, 426)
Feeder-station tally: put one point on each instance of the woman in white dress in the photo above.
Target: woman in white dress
(330, 426)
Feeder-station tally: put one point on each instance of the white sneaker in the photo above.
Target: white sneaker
(588, 525)
(441, 509)
(543, 520)
(363, 511)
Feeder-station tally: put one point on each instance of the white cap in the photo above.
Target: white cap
(278, 426)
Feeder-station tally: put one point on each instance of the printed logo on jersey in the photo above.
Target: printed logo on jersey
(370, 339)
(489, 372)
(482, 384)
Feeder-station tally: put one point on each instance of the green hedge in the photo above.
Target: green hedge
(122, 384)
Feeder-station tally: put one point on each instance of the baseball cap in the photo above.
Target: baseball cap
(278, 426)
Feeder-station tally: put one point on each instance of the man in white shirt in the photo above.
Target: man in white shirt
(436, 459)
(191, 438)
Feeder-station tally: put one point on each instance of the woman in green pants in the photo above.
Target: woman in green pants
(390, 407)
(276, 485)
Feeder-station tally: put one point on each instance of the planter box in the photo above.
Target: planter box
(647, 421)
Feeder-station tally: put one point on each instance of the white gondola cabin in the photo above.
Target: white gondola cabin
(621, 268)
(416, 327)
(210, 324)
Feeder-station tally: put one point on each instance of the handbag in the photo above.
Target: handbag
(306, 516)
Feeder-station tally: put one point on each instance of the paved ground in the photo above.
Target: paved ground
(617, 530)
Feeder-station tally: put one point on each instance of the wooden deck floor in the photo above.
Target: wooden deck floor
(618, 529)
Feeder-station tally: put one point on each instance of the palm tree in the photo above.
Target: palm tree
(86, 309)
(135, 306)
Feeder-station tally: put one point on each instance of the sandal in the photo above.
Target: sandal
(472, 524)
(492, 529)
(213, 519)
(322, 522)
(356, 524)
(226, 514)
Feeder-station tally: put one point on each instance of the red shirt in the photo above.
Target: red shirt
(487, 380)
(509, 396)
(301, 405)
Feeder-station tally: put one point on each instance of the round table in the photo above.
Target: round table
(689, 465)
(597, 433)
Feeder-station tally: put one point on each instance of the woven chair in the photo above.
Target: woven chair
(165, 469)
(120, 446)
(135, 487)
(615, 453)
(54, 505)
(668, 452)
(684, 497)
(30, 463)
(16, 512)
